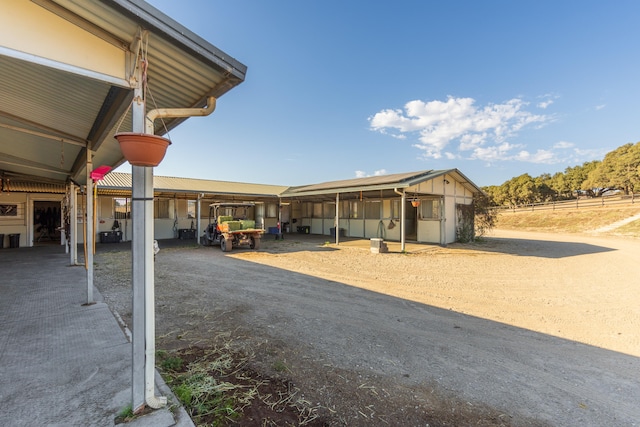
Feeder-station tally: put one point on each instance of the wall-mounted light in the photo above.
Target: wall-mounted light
(446, 181)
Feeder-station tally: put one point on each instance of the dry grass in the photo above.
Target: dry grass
(571, 221)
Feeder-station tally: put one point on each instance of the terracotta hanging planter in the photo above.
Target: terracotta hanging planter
(142, 149)
(415, 203)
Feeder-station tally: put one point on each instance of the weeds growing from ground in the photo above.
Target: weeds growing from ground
(217, 387)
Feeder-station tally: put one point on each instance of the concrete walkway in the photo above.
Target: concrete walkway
(63, 363)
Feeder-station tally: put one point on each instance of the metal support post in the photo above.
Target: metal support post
(89, 227)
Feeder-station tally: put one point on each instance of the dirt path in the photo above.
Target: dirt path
(524, 329)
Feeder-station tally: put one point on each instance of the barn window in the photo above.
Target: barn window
(272, 210)
(317, 210)
(355, 209)
(121, 208)
(329, 210)
(372, 209)
(429, 209)
(161, 208)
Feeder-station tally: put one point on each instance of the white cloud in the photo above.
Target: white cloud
(545, 104)
(547, 100)
(493, 153)
(363, 174)
(439, 124)
(563, 144)
(600, 107)
(540, 156)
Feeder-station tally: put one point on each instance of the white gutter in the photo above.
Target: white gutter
(402, 215)
(160, 113)
(151, 399)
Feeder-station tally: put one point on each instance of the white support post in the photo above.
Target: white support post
(198, 207)
(138, 249)
(337, 218)
(73, 224)
(403, 227)
(443, 221)
(89, 227)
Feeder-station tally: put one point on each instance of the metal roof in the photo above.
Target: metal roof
(52, 110)
(118, 182)
(381, 183)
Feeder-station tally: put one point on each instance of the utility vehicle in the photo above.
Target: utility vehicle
(229, 227)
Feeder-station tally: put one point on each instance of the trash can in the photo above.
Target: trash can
(14, 240)
(341, 232)
(186, 233)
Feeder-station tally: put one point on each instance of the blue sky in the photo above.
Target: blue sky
(340, 89)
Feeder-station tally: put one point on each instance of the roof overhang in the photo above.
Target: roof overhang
(66, 81)
(384, 186)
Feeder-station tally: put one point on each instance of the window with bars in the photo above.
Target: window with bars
(356, 209)
(121, 208)
(430, 209)
(329, 210)
(372, 209)
(272, 210)
(161, 208)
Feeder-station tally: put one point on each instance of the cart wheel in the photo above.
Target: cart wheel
(255, 243)
(225, 244)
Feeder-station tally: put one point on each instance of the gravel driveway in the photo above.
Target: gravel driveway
(522, 329)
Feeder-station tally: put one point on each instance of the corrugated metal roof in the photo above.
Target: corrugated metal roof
(394, 179)
(49, 112)
(117, 181)
(18, 186)
(376, 183)
(398, 180)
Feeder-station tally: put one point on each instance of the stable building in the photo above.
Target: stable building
(424, 207)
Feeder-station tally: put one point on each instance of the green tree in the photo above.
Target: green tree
(521, 190)
(620, 169)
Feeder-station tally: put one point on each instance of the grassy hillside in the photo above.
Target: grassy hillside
(572, 221)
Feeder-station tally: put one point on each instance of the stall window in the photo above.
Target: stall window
(344, 209)
(329, 210)
(161, 208)
(391, 209)
(272, 210)
(191, 209)
(355, 209)
(395, 209)
(372, 209)
(430, 209)
(121, 208)
(317, 210)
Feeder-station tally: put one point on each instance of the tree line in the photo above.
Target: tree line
(619, 170)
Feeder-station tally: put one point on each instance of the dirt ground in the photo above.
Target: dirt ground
(522, 329)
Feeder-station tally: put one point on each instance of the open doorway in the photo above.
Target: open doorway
(46, 222)
(411, 222)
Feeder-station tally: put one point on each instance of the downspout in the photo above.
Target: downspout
(153, 401)
(402, 217)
